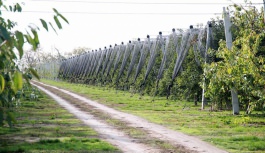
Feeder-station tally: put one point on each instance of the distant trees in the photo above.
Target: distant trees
(77, 51)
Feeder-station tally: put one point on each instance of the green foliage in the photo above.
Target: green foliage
(166, 79)
(189, 78)
(44, 24)
(11, 76)
(242, 66)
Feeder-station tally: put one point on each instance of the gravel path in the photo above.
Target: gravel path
(109, 133)
(157, 131)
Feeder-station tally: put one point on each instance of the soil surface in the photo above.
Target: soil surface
(117, 137)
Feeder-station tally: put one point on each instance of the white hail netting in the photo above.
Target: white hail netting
(97, 57)
(81, 67)
(135, 53)
(164, 47)
(144, 51)
(209, 42)
(78, 65)
(153, 54)
(124, 60)
(75, 66)
(112, 58)
(93, 58)
(84, 65)
(204, 42)
(90, 66)
(62, 68)
(99, 65)
(106, 60)
(67, 68)
(72, 68)
(185, 45)
(87, 65)
(125, 57)
(176, 40)
(199, 47)
(120, 52)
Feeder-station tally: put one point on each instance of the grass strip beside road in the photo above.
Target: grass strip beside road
(242, 133)
(137, 133)
(44, 126)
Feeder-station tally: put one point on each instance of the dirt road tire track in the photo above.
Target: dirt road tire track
(109, 133)
(159, 132)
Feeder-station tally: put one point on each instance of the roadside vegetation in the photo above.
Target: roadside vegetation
(241, 133)
(191, 64)
(44, 126)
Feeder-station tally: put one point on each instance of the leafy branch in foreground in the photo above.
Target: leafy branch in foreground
(11, 50)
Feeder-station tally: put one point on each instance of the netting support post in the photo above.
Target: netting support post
(264, 9)
(228, 37)
(208, 41)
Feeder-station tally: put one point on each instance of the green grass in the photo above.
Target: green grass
(44, 126)
(242, 133)
(66, 145)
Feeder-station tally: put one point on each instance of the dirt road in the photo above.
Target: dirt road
(121, 140)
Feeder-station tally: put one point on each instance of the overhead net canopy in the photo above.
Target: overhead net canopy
(137, 60)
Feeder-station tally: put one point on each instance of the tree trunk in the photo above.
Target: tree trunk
(195, 99)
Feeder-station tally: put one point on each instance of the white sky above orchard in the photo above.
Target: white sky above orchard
(98, 23)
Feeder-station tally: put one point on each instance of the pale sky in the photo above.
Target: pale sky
(98, 23)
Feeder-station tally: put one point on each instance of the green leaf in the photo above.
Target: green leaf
(19, 8)
(2, 84)
(10, 8)
(63, 18)
(15, 8)
(53, 28)
(6, 7)
(10, 118)
(55, 11)
(4, 33)
(34, 73)
(44, 24)
(20, 43)
(57, 22)
(31, 41)
(36, 37)
(229, 71)
(10, 24)
(25, 76)
(18, 80)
